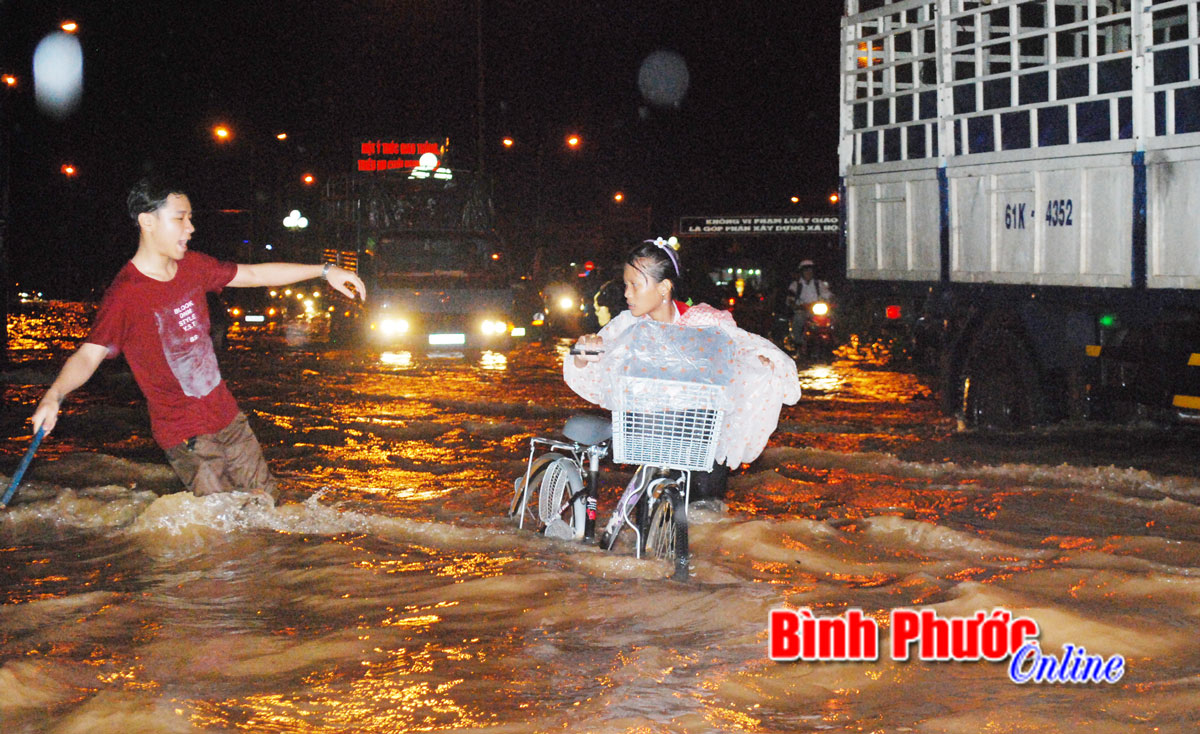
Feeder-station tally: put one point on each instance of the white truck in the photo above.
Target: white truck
(435, 269)
(1021, 187)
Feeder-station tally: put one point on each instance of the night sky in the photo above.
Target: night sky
(757, 125)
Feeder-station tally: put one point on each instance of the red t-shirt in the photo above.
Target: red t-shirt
(162, 328)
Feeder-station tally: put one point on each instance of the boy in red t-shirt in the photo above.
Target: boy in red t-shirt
(156, 313)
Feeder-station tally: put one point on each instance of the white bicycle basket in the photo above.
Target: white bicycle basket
(669, 424)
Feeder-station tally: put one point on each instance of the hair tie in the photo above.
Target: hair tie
(665, 246)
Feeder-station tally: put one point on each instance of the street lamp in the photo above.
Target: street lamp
(68, 170)
(69, 26)
(9, 80)
(572, 142)
(295, 220)
(224, 134)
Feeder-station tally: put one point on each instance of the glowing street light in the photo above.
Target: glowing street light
(308, 179)
(69, 26)
(68, 170)
(618, 197)
(573, 141)
(281, 136)
(9, 80)
(295, 220)
(507, 141)
(834, 198)
(222, 133)
(795, 199)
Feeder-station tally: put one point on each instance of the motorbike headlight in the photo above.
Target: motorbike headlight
(820, 309)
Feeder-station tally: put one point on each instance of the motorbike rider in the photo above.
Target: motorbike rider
(803, 292)
(608, 301)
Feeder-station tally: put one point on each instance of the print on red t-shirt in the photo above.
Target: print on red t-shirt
(187, 347)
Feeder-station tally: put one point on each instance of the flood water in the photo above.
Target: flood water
(387, 592)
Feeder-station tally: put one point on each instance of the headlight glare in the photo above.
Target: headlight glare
(392, 327)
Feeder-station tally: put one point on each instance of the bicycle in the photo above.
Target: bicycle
(667, 428)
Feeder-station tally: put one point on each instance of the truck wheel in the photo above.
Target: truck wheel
(1001, 388)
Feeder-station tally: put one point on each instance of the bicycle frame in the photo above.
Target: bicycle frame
(577, 453)
(644, 484)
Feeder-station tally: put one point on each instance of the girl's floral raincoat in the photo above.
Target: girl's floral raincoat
(702, 345)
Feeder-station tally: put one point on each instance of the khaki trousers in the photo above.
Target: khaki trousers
(230, 460)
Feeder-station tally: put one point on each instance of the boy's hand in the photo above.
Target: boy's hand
(46, 414)
(342, 280)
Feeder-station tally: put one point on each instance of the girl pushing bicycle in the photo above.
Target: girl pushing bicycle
(762, 379)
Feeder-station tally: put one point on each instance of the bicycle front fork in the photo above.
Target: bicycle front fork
(593, 497)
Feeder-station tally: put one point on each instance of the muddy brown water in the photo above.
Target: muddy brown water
(389, 593)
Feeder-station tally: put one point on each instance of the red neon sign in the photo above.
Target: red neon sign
(392, 155)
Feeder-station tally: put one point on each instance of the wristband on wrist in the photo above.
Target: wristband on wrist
(325, 270)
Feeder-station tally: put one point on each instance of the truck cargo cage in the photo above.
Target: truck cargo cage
(986, 104)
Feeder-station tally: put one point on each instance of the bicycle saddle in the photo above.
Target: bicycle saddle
(588, 429)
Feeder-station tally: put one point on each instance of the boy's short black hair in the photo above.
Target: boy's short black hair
(149, 194)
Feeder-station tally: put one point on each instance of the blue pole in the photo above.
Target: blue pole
(20, 472)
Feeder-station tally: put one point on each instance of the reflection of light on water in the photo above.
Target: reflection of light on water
(723, 717)
(819, 378)
(493, 361)
(421, 620)
(467, 565)
(396, 359)
(42, 326)
(475, 565)
(563, 348)
(384, 700)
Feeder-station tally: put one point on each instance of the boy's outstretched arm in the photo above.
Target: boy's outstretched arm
(77, 370)
(273, 274)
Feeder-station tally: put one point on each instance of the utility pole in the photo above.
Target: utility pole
(479, 96)
(5, 175)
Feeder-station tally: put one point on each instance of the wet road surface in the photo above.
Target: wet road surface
(388, 592)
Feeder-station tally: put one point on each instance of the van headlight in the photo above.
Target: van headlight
(393, 327)
(491, 327)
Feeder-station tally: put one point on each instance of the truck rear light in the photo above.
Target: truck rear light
(892, 312)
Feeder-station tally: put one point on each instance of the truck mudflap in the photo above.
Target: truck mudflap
(1190, 401)
(1175, 378)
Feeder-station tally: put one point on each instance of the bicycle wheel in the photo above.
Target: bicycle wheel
(667, 534)
(524, 494)
(561, 500)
